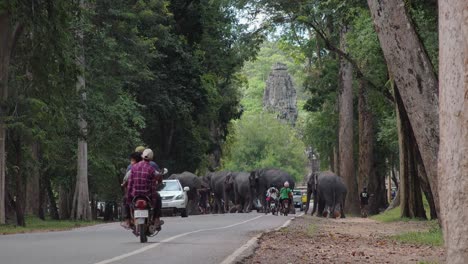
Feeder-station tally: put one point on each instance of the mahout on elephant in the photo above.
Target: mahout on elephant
(188, 179)
(266, 178)
(329, 193)
(242, 184)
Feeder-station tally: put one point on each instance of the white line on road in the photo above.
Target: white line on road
(232, 258)
(143, 249)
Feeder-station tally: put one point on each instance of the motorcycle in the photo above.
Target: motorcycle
(142, 214)
(273, 206)
(285, 207)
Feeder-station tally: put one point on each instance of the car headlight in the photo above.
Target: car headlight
(179, 197)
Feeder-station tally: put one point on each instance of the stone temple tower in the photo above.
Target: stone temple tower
(280, 95)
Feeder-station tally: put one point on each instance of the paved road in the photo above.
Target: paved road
(196, 239)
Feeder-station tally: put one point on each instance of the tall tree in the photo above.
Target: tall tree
(410, 187)
(415, 78)
(453, 159)
(81, 209)
(366, 138)
(346, 133)
(9, 33)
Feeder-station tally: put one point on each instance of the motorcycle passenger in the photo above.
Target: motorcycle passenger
(135, 157)
(145, 180)
(285, 193)
(272, 194)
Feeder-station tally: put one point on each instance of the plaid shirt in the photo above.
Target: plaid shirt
(142, 181)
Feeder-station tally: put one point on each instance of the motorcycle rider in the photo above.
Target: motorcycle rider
(271, 194)
(145, 180)
(285, 193)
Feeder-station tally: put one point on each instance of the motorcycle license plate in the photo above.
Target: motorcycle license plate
(141, 213)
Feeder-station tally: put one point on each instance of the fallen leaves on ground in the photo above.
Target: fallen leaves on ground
(350, 240)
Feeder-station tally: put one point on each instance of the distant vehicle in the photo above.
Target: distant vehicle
(297, 199)
(174, 197)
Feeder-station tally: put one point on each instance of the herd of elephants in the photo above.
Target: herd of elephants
(246, 191)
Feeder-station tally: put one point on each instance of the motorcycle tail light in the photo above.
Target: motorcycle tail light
(140, 204)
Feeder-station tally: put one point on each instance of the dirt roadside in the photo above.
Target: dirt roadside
(352, 240)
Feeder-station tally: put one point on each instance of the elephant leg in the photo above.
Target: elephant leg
(342, 209)
(248, 203)
(315, 206)
(219, 204)
(308, 202)
(321, 207)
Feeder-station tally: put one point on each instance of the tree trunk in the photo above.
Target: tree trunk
(64, 202)
(52, 201)
(33, 186)
(410, 189)
(336, 159)
(345, 135)
(81, 209)
(8, 39)
(366, 140)
(20, 195)
(453, 159)
(396, 201)
(414, 75)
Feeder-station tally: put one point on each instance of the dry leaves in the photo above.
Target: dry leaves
(350, 240)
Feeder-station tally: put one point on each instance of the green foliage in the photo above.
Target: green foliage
(261, 141)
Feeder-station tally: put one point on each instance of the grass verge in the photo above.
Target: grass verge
(392, 215)
(433, 237)
(34, 224)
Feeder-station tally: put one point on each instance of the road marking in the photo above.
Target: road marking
(232, 258)
(143, 249)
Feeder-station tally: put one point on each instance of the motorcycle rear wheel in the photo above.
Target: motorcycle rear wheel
(142, 230)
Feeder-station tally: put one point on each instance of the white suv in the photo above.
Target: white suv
(174, 197)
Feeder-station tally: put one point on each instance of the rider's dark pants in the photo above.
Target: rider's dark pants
(157, 205)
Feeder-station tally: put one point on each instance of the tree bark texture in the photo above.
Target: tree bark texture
(410, 189)
(19, 183)
(33, 187)
(453, 158)
(414, 75)
(81, 209)
(8, 37)
(64, 202)
(366, 170)
(345, 135)
(336, 159)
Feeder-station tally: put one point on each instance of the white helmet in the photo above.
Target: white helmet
(286, 184)
(147, 154)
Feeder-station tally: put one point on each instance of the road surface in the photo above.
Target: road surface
(196, 239)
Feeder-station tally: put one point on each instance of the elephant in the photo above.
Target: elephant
(329, 194)
(242, 184)
(266, 178)
(222, 197)
(194, 183)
